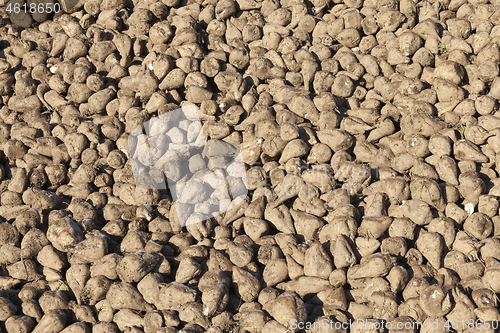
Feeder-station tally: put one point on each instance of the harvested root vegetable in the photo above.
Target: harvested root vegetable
(248, 166)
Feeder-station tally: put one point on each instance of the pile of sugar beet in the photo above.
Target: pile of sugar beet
(370, 131)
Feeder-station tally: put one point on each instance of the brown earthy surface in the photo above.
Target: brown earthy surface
(370, 132)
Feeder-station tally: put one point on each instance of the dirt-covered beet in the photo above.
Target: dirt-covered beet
(249, 166)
